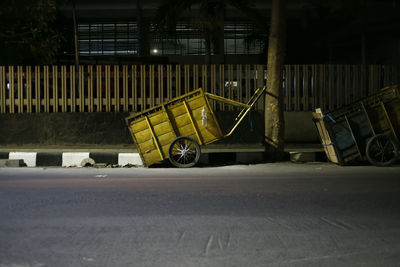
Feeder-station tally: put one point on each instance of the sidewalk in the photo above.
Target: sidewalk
(35, 155)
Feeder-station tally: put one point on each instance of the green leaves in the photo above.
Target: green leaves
(28, 32)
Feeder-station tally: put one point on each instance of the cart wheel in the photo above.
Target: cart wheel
(184, 152)
(381, 150)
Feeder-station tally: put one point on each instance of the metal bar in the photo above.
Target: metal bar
(28, 74)
(204, 76)
(178, 80)
(169, 82)
(259, 92)
(46, 89)
(38, 100)
(352, 135)
(226, 100)
(99, 97)
(187, 78)
(389, 121)
(151, 86)
(134, 89)
(160, 84)
(107, 76)
(196, 76)
(116, 99)
(367, 117)
(90, 88)
(11, 88)
(239, 82)
(20, 86)
(125, 96)
(193, 122)
(296, 87)
(154, 137)
(143, 86)
(306, 88)
(3, 85)
(64, 88)
(72, 80)
(222, 84)
(55, 88)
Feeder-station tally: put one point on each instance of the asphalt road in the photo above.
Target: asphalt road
(280, 214)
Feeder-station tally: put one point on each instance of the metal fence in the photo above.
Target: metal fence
(133, 88)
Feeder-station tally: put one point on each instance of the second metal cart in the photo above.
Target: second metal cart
(367, 129)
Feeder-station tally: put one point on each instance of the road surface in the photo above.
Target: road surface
(280, 214)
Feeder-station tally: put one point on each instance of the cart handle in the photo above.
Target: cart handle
(258, 93)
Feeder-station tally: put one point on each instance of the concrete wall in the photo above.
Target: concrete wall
(110, 129)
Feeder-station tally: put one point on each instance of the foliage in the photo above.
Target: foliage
(28, 33)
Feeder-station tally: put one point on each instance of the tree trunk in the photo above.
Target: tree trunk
(274, 120)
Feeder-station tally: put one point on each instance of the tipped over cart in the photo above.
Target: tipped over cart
(176, 129)
(368, 129)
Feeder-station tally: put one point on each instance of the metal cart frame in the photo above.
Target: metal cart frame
(367, 129)
(175, 130)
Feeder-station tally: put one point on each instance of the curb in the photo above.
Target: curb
(71, 159)
(77, 159)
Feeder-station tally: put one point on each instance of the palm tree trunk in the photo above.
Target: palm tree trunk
(274, 119)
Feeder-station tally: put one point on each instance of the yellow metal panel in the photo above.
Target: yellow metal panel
(147, 145)
(143, 136)
(167, 138)
(151, 157)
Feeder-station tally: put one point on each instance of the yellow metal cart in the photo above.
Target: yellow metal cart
(175, 130)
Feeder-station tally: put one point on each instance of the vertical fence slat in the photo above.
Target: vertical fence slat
(178, 80)
(72, 94)
(248, 82)
(306, 88)
(20, 86)
(169, 82)
(54, 100)
(63, 75)
(11, 91)
(152, 86)
(3, 85)
(143, 87)
(187, 78)
(239, 82)
(195, 76)
(46, 86)
(38, 95)
(289, 88)
(296, 87)
(339, 86)
(160, 76)
(204, 77)
(222, 84)
(134, 89)
(90, 88)
(125, 95)
(99, 89)
(116, 100)
(107, 82)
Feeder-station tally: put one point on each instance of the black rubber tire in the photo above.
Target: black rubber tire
(184, 152)
(382, 150)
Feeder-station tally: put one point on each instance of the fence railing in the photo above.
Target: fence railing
(133, 88)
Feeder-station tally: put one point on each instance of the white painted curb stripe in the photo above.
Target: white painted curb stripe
(73, 158)
(129, 158)
(28, 157)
